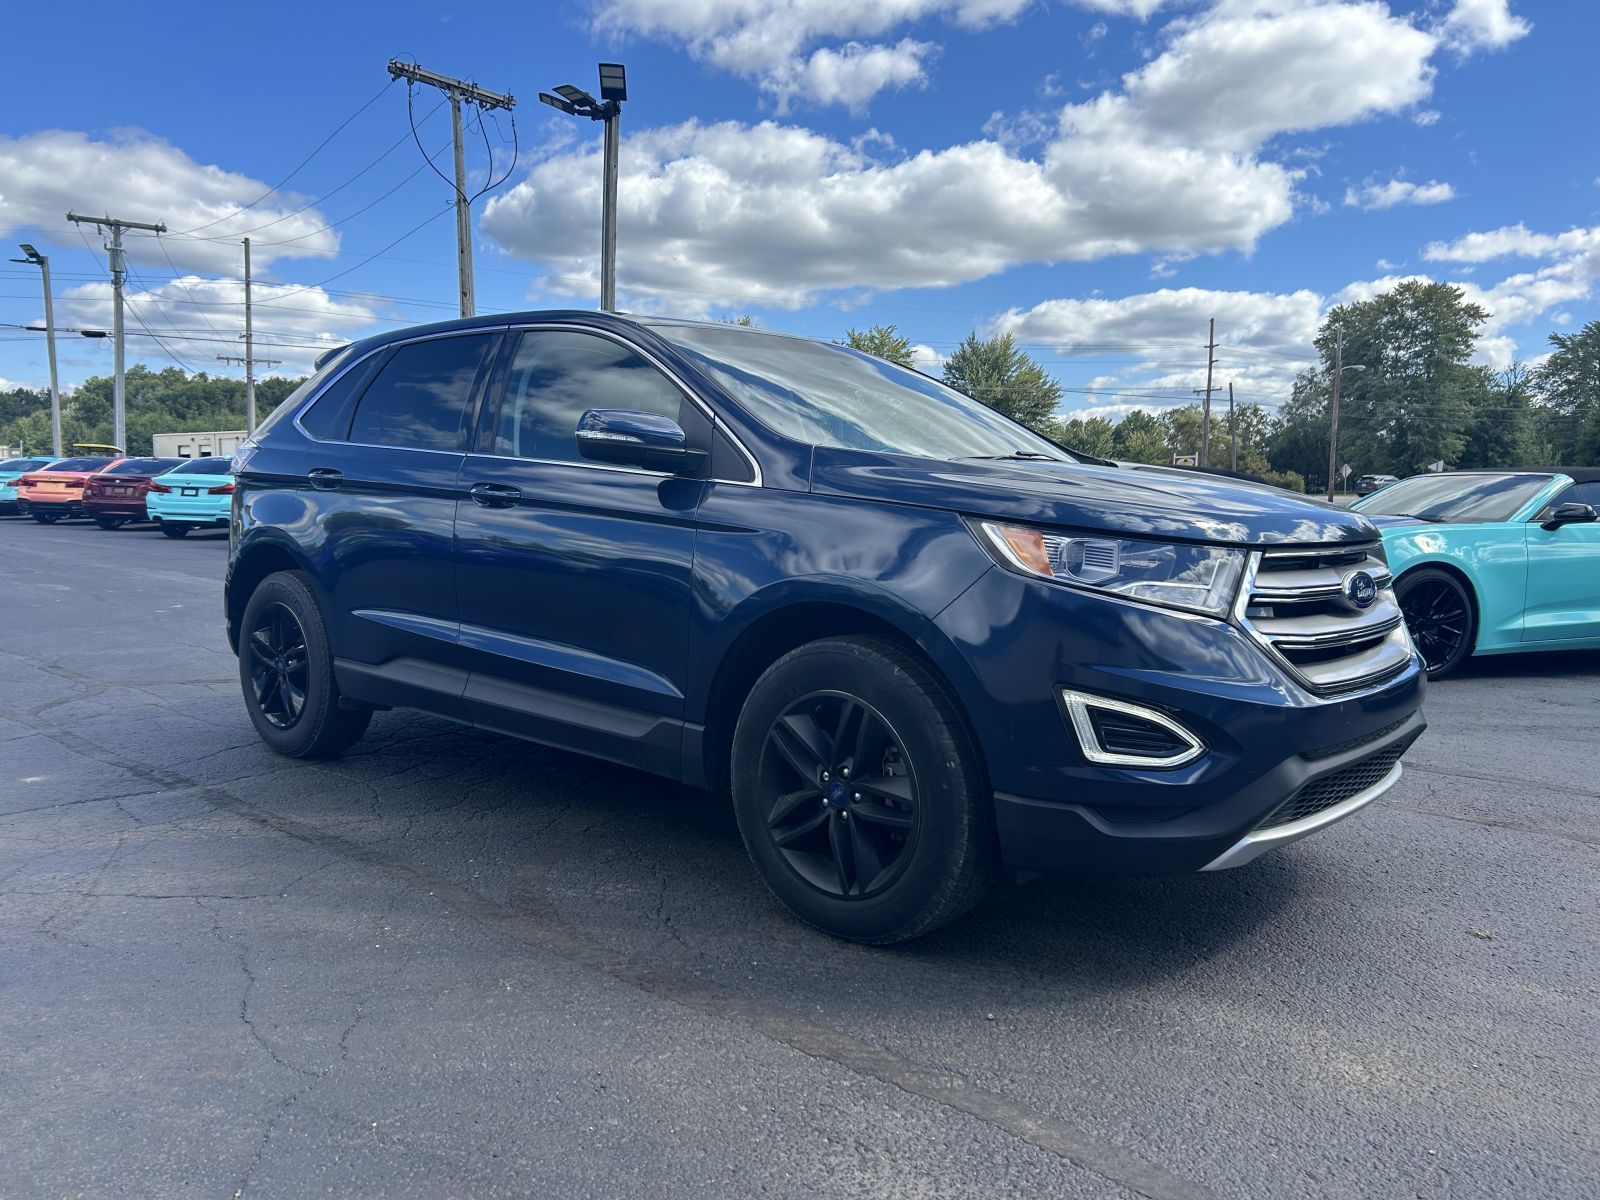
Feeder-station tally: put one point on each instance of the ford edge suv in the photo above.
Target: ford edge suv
(911, 639)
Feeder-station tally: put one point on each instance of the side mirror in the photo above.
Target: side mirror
(1571, 513)
(638, 439)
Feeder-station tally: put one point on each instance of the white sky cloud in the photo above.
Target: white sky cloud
(142, 178)
(1374, 195)
(777, 43)
(1170, 162)
(1483, 25)
(197, 319)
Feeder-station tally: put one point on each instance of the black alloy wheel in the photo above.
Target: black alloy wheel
(844, 809)
(279, 667)
(1440, 618)
(859, 791)
(174, 529)
(46, 518)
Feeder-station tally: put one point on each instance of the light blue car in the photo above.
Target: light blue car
(13, 469)
(197, 494)
(1491, 562)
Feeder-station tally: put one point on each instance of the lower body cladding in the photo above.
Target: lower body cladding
(1251, 759)
(60, 509)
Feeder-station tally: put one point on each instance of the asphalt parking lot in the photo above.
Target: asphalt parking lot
(450, 964)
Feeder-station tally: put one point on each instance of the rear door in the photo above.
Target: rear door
(1564, 574)
(575, 577)
(381, 489)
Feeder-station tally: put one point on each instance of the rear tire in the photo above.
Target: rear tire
(286, 672)
(859, 793)
(111, 523)
(175, 529)
(1440, 616)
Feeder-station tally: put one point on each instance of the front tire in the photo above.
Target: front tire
(1440, 616)
(859, 793)
(111, 523)
(46, 518)
(286, 672)
(175, 529)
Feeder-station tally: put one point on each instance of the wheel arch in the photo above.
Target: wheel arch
(251, 564)
(1448, 566)
(768, 638)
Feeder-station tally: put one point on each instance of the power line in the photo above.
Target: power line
(320, 147)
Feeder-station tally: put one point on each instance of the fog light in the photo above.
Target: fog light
(1115, 733)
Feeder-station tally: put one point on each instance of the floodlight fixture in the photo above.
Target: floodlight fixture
(557, 102)
(577, 96)
(613, 82)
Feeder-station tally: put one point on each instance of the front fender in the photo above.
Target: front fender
(1493, 559)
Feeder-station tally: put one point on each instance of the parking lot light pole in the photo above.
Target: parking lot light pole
(1339, 369)
(576, 102)
(42, 261)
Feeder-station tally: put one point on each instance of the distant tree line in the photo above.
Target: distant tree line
(1411, 397)
(167, 401)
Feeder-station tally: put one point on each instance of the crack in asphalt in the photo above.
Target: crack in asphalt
(549, 933)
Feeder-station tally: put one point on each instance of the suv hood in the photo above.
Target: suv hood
(1189, 508)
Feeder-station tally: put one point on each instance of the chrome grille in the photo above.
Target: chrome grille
(1296, 604)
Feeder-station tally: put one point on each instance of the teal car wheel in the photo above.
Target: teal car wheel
(1440, 616)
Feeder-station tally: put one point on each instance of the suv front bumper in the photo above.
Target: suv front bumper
(1010, 645)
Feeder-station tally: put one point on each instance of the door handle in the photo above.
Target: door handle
(326, 478)
(495, 495)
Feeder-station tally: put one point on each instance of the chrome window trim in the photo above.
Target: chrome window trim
(677, 381)
(344, 370)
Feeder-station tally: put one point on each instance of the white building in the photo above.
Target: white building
(197, 445)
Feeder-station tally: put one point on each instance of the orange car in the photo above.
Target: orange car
(56, 491)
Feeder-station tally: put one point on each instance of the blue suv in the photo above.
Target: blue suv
(912, 640)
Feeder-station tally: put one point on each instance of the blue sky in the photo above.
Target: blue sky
(1098, 176)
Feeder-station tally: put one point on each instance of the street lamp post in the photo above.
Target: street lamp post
(576, 102)
(1333, 432)
(42, 261)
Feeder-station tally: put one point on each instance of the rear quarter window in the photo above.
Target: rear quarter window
(419, 399)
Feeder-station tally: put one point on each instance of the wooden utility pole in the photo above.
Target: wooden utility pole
(457, 90)
(1233, 433)
(1205, 413)
(1333, 430)
(249, 360)
(119, 269)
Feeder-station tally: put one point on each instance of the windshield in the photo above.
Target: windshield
(834, 396)
(78, 464)
(21, 464)
(201, 466)
(1458, 499)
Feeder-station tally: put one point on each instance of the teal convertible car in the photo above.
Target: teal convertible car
(1491, 562)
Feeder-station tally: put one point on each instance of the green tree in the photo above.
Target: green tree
(999, 374)
(881, 341)
(1140, 437)
(1568, 388)
(744, 319)
(1298, 441)
(1088, 435)
(1414, 403)
(1500, 432)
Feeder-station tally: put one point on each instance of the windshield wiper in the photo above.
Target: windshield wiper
(1015, 454)
(1432, 520)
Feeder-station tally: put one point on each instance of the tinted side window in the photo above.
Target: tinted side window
(557, 375)
(1577, 493)
(421, 394)
(328, 418)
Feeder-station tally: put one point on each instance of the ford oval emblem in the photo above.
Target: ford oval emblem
(1361, 589)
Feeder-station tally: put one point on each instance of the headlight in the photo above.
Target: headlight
(1202, 579)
